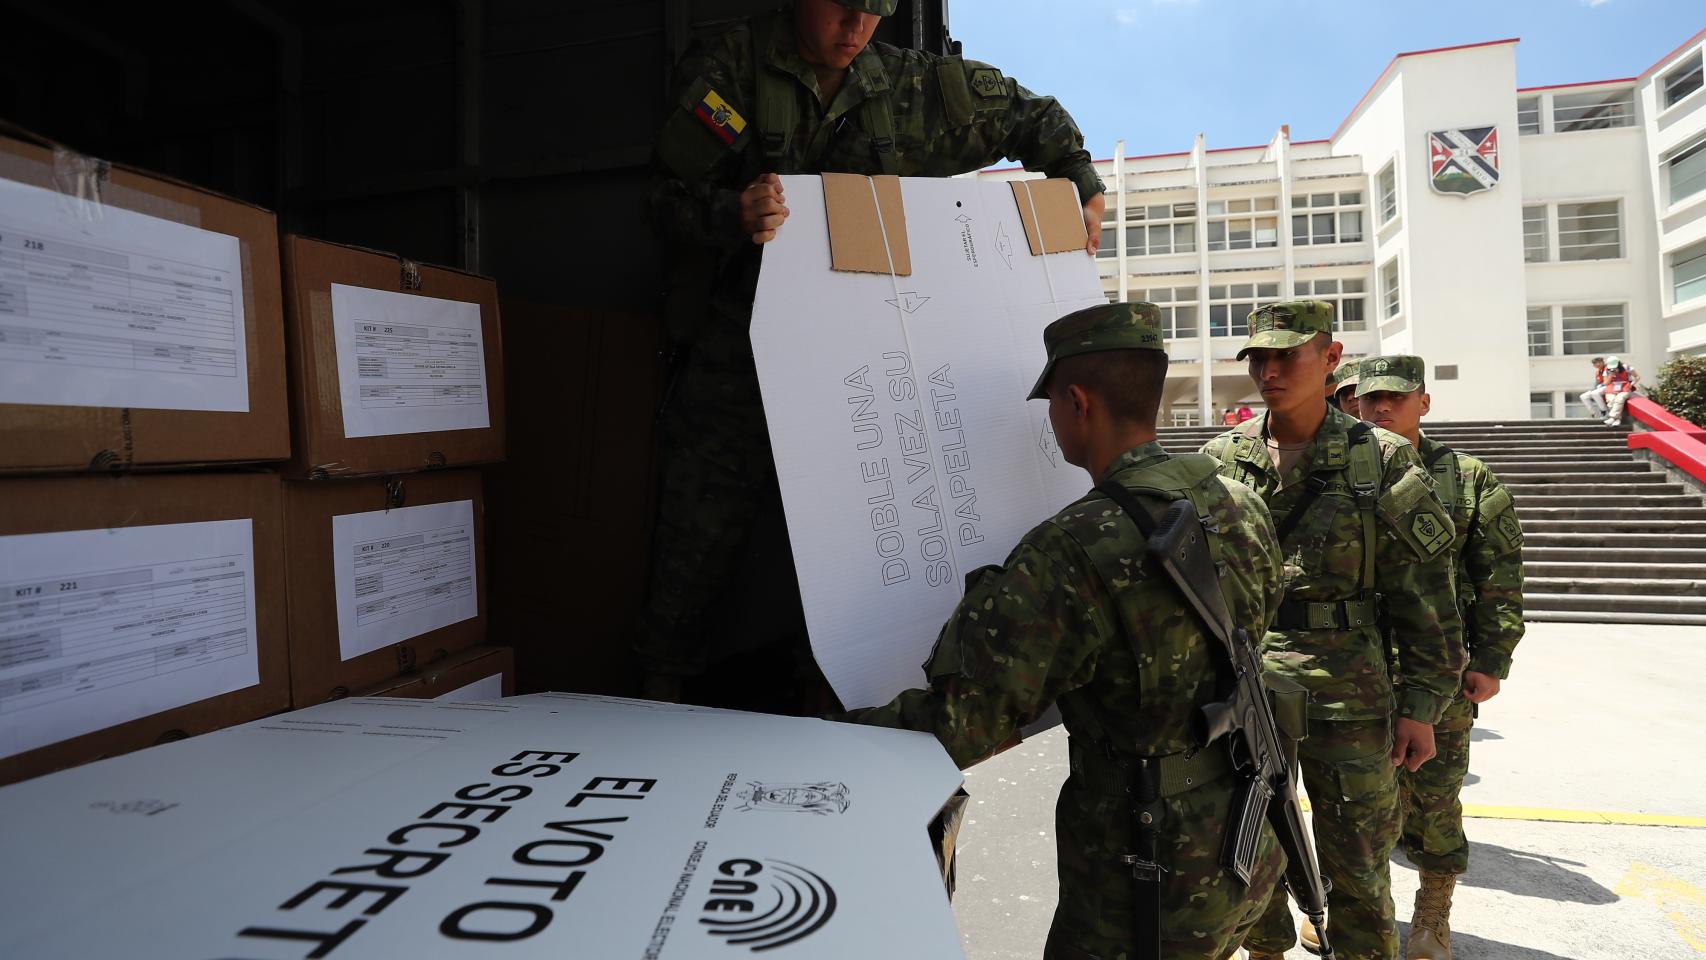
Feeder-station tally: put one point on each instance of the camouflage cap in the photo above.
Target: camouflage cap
(1111, 326)
(1279, 326)
(882, 8)
(1346, 375)
(1399, 374)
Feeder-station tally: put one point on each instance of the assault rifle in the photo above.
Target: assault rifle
(1178, 546)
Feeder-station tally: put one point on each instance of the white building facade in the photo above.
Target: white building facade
(1564, 223)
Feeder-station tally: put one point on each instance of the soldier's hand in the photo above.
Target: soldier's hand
(1412, 743)
(1093, 209)
(761, 208)
(1479, 687)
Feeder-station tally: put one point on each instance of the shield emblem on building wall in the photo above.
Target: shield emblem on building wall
(1463, 161)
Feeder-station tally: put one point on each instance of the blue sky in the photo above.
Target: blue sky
(1157, 72)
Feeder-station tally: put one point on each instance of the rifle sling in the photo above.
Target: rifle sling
(1146, 806)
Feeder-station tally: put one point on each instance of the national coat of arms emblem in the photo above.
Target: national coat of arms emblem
(1463, 161)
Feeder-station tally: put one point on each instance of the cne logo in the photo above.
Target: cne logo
(762, 905)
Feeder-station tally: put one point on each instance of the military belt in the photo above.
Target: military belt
(1325, 615)
(1106, 771)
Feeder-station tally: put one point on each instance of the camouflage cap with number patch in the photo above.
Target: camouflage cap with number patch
(882, 8)
(1346, 375)
(1399, 374)
(1113, 326)
(1292, 323)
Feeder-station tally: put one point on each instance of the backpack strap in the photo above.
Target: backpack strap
(1365, 487)
(879, 120)
(775, 98)
(1450, 479)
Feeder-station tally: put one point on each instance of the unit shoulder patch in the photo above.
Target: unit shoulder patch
(1432, 534)
(987, 82)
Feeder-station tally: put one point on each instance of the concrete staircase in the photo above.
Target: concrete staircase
(1606, 538)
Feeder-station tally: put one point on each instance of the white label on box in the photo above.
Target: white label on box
(401, 573)
(118, 310)
(905, 449)
(408, 363)
(486, 688)
(99, 627)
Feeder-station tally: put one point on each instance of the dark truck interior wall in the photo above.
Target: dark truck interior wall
(508, 137)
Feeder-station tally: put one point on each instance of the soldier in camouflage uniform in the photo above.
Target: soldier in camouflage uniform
(1488, 548)
(1343, 386)
(795, 91)
(1356, 516)
(1075, 617)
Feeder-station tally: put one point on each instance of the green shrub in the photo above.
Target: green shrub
(1682, 389)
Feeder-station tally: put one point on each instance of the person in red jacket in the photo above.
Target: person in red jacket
(1620, 381)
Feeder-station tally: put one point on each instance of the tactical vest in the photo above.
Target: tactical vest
(1359, 475)
(1098, 760)
(776, 130)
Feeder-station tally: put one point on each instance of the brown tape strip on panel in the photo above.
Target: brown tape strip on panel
(855, 229)
(1053, 218)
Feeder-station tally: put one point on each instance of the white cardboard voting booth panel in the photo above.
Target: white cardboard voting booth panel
(907, 453)
(541, 826)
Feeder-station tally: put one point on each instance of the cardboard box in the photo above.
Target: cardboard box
(483, 673)
(386, 576)
(120, 298)
(576, 827)
(394, 366)
(136, 610)
(894, 388)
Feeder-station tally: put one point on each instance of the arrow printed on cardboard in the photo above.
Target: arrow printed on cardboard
(908, 300)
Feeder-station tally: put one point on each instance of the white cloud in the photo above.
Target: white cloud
(1595, 3)
(1125, 16)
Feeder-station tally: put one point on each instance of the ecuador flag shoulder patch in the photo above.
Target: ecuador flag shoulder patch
(718, 117)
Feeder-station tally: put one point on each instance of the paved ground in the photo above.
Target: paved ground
(1592, 743)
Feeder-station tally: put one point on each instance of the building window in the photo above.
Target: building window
(1166, 228)
(1682, 81)
(1178, 307)
(1184, 416)
(1593, 330)
(1574, 408)
(1528, 115)
(1598, 110)
(1540, 406)
(1534, 244)
(1155, 229)
(1540, 331)
(1386, 193)
(1686, 171)
(1589, 231)
(1236, 224)
(1390, 303)
(1349, 298)
(1331, 218)
(1107, 248)
(1688, 273)
(1230, 306)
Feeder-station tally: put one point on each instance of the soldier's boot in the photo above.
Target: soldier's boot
(1430, 925)
(1306, 936)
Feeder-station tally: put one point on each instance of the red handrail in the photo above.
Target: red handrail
(1678, 441)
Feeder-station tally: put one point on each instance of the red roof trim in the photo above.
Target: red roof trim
(1412, 53)
(1582, 83)
(1153, 156)
(1661, 61)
